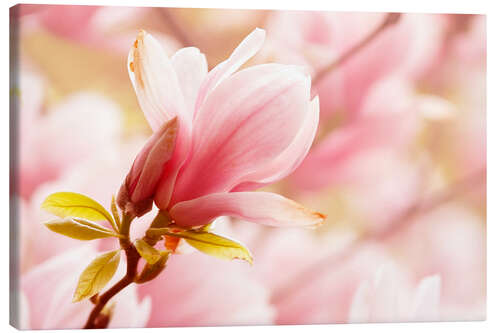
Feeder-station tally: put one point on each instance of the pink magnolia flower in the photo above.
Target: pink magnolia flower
(237, 131)
(196, 290)
(48, 289)
(387, 297)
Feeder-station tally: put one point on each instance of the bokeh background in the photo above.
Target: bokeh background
(398, 166)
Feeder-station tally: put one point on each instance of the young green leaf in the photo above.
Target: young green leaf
(64, 204)
(207, 242)
(116, 216)
(81, 229)
(149, 253)
(97, 275)
(151, 271)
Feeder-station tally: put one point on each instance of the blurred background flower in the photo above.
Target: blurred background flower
(398, 165)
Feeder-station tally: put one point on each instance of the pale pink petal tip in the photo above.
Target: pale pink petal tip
(258, 207)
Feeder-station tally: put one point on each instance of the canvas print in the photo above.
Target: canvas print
(215, 167)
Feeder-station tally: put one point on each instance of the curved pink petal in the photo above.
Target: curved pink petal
(161, 98)
(155, 81)
(247, 49)
(246, 122)
(147, 168)
(191, 68)
(291, 157)
(23, 316)
(259, 207)
(427, 299)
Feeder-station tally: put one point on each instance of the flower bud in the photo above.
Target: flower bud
(136, 193)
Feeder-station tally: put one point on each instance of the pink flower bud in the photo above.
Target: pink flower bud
(136, 193)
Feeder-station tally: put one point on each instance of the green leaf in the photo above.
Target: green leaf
(97, 275)
(64, 204)
(149, 253)
(208, 243)
(81, 229)
(116, 216)
(151, 271)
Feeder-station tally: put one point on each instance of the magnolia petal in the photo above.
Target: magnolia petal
(246, 122)
(161, 98)
(247, 49)
(427, 299)
(171, 169)
(155, 155)
(360, 310)
(155, 81)
(291, 157)
(191, 68)
(259, 207)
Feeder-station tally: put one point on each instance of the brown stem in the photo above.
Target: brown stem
(132, 261)
(389, 20)
(174, 27)
(398, 224)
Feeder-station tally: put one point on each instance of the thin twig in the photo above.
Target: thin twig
(398, 224)
(389, 20)
(132, 261)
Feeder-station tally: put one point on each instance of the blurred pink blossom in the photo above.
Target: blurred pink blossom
(99, 175)
(389, 118)
(327, 294)
(450, 242)
(387, 297)
(196, 290)
(108, 28)
(306, 289)
(407, 48)
(236, 131)
(49, 287)
(50, 141)
(89, 25)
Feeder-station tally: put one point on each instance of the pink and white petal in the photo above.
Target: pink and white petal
(245, 123)
(247, 49)
(360, 310)
(259, 207)
(387, 285)
(161, 98)
(23, 316)
(427, 299)
(191, 68)
(155, 82)
(59, 276)
(157, 155)
(171, 169)
(291, 157)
